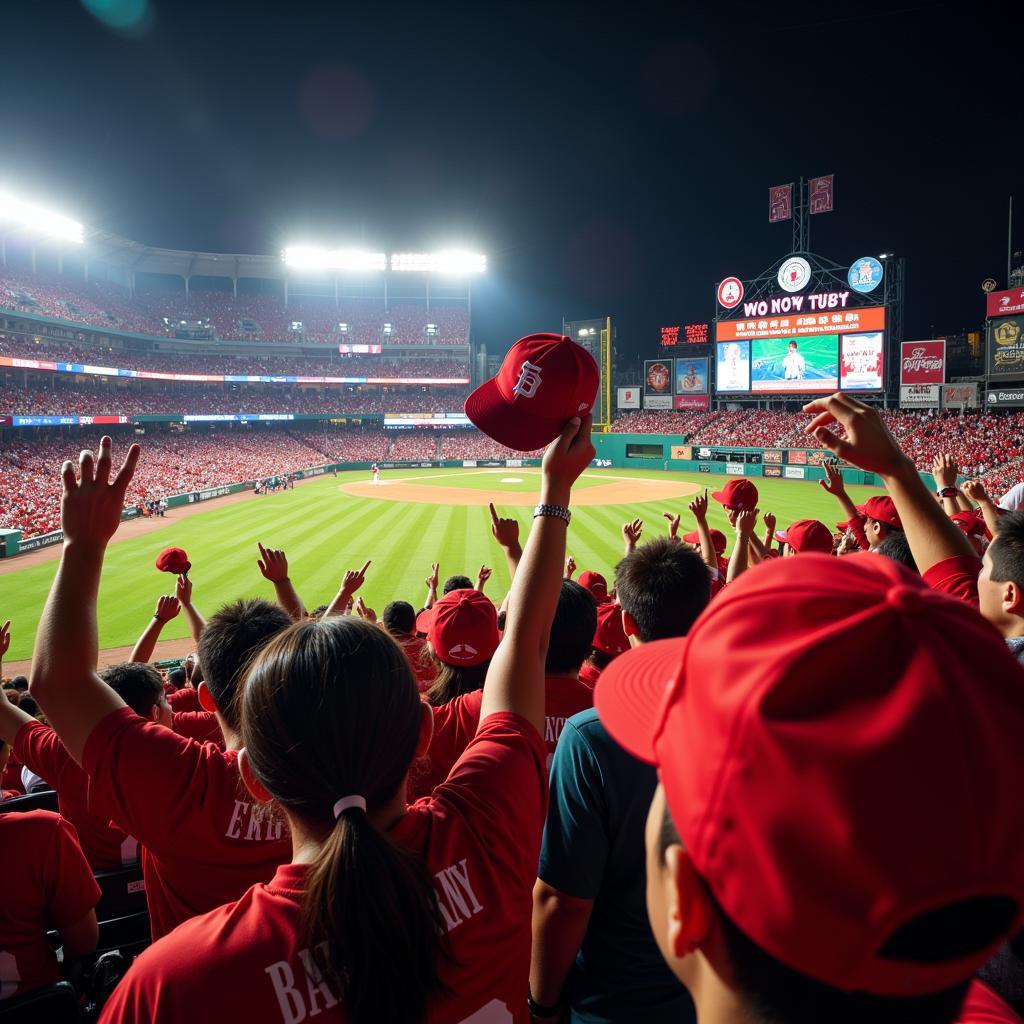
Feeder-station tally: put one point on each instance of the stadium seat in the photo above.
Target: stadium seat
(54, 1004)
(122, 893)
(130, 934)
(43, 800)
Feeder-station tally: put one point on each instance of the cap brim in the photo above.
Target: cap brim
(719, 496)
(780, 535)
(629, 694)
(512, 427)
(425, 620)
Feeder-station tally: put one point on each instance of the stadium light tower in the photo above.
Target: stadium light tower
(454, 262)
(308, 257)
(38, 220)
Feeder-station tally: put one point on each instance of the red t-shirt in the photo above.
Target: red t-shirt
(589, 675)
(185, 699)
(455, 724)
(52, 887)
(956, 576)
(205, 840)
(983, 1006)
(105, 845)
(198, 725)
(422, 668)
(479, 836)
(11, 777)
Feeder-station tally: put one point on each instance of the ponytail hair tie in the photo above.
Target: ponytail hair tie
(347, 803)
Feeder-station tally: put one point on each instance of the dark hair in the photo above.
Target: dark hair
(20, 683)
(29, 705)
(138, 685)
(896, 546)
(502, 616)
(600, 659)
(399, 617)
(777, 994)
(318, 611)
(572, 630)
(1007, 550)
(457, 583)
(664, 586)
(176, 677)
(230, 640)
(370, 915)
(451, 681)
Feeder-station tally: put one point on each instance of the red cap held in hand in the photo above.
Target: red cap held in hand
(972, 524)
(717, 539)
(544, 381)
(807, 535)
(596, 584)
(609, 636)
(740, 495)
(173, 560)
(840, 748)
(462, 628)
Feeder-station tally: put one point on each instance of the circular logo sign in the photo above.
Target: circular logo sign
(865, 274)
(658, 378)
(794, 274)
(730, 292)
(988, 285)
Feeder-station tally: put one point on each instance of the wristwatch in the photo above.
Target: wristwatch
(555, 511)
(948, 492)
(540, 1011)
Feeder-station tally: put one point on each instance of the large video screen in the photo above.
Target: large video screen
(732, 366)
(809, 364)
(861, 362)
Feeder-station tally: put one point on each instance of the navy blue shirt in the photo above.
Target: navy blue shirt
(593, 849)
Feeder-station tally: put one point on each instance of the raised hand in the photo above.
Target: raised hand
(769, 524)
(848, 544)
(746, 521)
(975, 490)
(699, 506)
(570, 567)
(565, 459)
(273, 563)
(354, 579)
(431, 580)
(945, 470)
(632, 531)
(92, 503)
(482, 577)
(867, 445)
(5, 637)
(505, 531)
(673, 523)
(183, 591)
(167, 608)
(833, 482)
(364, 611)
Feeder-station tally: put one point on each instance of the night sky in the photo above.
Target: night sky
(609, 160)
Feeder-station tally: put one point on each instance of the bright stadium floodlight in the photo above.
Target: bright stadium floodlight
(308, 257)
(451, 261)
(38, 219)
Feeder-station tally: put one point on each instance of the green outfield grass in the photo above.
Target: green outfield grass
(325, 532)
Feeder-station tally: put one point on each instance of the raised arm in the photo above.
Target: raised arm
(64, 678)
(515, 678)
(945, 471)
(570, 567)
(769, 536)
(167, 608)
(932, 537)
(196, 623)
(674, 520)
(631, 534)
(431, 582)
(745, 523)
(506, 533)
(482, 577)
(699, 508)
(836, 486)
(273, 564)
(12, 718)
(975, 490)
(350, 583)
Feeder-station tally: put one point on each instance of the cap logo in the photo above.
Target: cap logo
(463, 652)
(529, 381)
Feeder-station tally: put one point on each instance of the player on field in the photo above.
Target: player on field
(793, 364)
(375, 470)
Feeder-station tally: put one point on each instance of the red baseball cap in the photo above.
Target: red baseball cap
(827, 797)
(807, 535)
(609, 636)
(173, 560)
(596, 584)
(737, 494)
(717, 539)
(972, 523)
(882, 509)
(544, 381)
(462, 628)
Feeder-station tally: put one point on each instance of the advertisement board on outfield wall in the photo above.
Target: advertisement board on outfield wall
(923, 362)
(657, 383)
(960, 396)
(693, 401)
(772, 457)
(1005, 398)
(920, 396)
(1004, 303)
(734, 468)
(773, 471)
(794, 472)
(797, 457)
(627, 398)
(681, 451)
(1006, 347)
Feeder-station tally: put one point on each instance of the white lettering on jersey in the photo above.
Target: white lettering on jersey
(290, 1000)
(260, 823)
(529, 381)
(455, 897)
(553, 729)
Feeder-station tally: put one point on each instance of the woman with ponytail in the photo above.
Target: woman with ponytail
(390, 912)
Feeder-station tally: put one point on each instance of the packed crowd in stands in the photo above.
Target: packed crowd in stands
(258, 317)
(471, 444)
(250, 363)
(595, 798)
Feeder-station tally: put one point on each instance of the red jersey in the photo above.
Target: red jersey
(414, 648)
(205, 840)
(52, 887)
(589, 675)
(478, 835)
(105, 845)
(185, 699)
(198, 725)
(956, 576)
(983, 1006)
(11, 777)
(455, 724)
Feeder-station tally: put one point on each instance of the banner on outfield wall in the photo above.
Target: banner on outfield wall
(681, 451)
(1004, 303)
(1006, 347)
(693, 401)
(960, 396)
(920, 396)
(513, 463)
(628, 398)
(773, 471)
(923, 362)
(772, 457)
(734, 469)
(1005, 398)
(794, 472)
(469, 463)
(657, 383)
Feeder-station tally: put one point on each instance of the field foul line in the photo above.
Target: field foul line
(528, 470)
